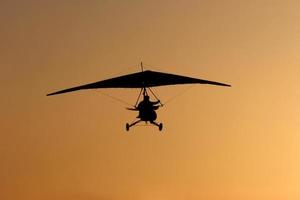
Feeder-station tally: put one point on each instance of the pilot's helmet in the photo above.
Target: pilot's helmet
(146, 98)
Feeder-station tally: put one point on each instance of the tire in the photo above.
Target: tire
(160, 127)
(127, 127)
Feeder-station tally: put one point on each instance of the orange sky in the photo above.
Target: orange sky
(217, 144)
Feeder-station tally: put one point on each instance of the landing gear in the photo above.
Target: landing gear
(160, 125)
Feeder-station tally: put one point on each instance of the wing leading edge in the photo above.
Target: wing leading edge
(141, 79)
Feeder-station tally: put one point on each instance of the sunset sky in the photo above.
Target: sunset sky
(218, 143)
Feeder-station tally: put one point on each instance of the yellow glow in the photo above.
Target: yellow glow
(217, 144)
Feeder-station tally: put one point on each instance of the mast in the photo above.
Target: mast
(144, 91)
(142, 66)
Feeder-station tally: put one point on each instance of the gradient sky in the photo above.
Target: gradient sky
(217, 144)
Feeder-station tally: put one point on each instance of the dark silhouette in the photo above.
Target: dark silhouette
(147, 112)
(143, 80)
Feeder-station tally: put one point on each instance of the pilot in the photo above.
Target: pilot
(147, 107)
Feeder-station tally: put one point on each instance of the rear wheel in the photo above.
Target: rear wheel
(127, 127)
(160, 126)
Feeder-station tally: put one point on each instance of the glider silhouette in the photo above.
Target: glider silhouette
(143, 80)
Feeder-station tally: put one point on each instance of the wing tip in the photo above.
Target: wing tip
(54, 93)
(222, 84)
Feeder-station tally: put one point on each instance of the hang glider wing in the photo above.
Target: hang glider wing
(140, 80)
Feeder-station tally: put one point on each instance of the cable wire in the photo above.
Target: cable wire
(116, 98)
